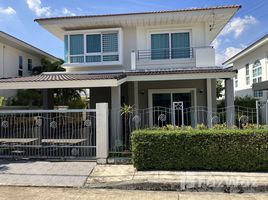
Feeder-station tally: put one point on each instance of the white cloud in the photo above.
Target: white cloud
(224, 55)
(238, 25)
(231, 51)
(67, 12)
(235, 28)
(38, 9)
(216, 43)
(8, 11)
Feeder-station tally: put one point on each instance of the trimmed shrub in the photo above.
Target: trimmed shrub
(224, 150)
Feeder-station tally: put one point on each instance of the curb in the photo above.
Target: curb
(181, 186)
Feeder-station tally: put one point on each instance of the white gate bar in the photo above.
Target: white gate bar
(47, 111)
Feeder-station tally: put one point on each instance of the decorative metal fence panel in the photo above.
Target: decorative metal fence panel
(179, 116)
(69, 134)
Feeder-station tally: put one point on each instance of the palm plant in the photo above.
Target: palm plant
(126, 111)
(66, 96)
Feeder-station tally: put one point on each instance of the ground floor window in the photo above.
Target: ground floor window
(258, 93)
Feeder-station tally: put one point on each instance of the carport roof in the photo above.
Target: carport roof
(80, 80)
(63, 77)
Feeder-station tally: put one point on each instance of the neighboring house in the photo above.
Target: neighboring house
(17, 58)
(152, 60)
(252, 69)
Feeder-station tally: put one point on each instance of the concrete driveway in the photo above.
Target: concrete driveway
(45, 173)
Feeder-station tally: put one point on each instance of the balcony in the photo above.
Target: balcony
(173, 58)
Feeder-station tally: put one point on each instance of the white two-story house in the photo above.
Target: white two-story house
(152, 60)
(252, 69)
(18, 58)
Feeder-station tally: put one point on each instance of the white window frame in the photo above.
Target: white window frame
(93, 32)
(258, 76)
(169, 32)
(29, 59)
(236, 81)
(247, 75)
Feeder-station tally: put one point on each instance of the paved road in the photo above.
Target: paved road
(36, 193)
(45, 173)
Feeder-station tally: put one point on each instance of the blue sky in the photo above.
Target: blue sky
(17, 18)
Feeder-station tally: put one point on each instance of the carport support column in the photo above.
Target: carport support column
(47, 99)
(136, 95)
(209, 103)
(102, 133)
(116, 126)
(229, 102)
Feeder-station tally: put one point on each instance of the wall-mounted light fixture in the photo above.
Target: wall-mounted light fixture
(200, 91)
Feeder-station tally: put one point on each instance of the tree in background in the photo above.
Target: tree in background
(26, 98)
(219, 88)
(1, 101)
(247, 102)
(70, 97)
(48, 66)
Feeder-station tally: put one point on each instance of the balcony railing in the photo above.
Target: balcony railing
(177, 57)
(169, 53)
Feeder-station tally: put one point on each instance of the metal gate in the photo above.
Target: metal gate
(63, 134)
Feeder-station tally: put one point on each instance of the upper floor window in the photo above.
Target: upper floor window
(247, 75)
(170, 45)
(257, 72)
(92, 47)
(77, 48)
(30, 64)
(20, 71)
(236, 81)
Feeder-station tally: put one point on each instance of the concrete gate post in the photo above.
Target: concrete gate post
(102, 133)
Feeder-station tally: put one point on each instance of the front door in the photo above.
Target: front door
(163, 111)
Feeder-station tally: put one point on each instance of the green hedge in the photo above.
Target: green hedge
(226, 150)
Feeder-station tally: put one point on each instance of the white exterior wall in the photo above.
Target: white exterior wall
(9, 65)
(259, 54)
(138, 38)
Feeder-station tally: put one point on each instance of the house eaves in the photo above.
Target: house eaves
(214, 18)
(14, 42)
(247, 50)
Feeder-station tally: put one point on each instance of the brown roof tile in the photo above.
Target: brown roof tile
(139, 13)
(64, 77)
(117, 76)
(180, 71)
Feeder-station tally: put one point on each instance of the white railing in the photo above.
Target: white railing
(177, 57)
